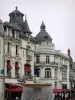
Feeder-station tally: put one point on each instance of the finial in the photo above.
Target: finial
(42, 22)
(16, 7)
(25, 17)
(42, 26)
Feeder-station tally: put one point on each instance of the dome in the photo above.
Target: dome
(16, 12)
(42, 27)
(43, 35)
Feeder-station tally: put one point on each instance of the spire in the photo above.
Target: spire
(42, 27)
(26, 26)
(16, 7)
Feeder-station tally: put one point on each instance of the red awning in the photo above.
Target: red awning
(14, 84)
(9, 66)
(13, 89)
(17, 66)
(57, 90)
(27, 67)
(60, 90)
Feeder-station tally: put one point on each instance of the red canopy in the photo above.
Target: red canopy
(57, 90)
(13, 89)
(17, 66)
(60, 90)
(9, 66)
(27, 67)
(14, 84)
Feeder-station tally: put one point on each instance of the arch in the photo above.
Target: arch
(48, 73)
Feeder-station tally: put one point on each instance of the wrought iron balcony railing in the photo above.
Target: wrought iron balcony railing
(28, 57)
(45, 63)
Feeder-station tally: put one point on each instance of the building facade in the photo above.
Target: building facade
(52, 65)
(19, 47)
(2, 82)
(23, 53)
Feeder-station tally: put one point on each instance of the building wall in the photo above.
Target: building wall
(1, 61)
(56, 60)
(21, 58)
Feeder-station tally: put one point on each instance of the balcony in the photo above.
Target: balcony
(8, 54)
(28, 57)
(17, 55)
(64, 79)
(28, 47)
(55, 77)
(43, 63)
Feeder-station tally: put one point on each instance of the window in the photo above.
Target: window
(38, 75)
(13, 33)
(4, 28)
(47, 59)
(55, 85)
(17, 69)
(37, 59)
(23, 53)
(55, 73)
(8, 47)
(8, 68)
(64, 86)
(64, 74)
(16, 49)
(8, 31)
(47, 73)
(17, 34)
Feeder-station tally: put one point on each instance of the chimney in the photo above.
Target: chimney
(68, 52)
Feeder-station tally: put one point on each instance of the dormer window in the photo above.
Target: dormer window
(13, 33)
(47, 59)
(4, 28)
(16, 49)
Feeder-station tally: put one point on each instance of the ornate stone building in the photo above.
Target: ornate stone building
(19, 47)
(52, 65)
(21, 52)
(2, 82)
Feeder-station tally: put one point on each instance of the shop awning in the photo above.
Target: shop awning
(60, 90)
(14, 84)
(57, 90)
(9, 66)
(27, 67)
(17, 65)
(13, 89)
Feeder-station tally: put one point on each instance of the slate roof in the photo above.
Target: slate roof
(26, 28)
(16, 12)
(43, 35)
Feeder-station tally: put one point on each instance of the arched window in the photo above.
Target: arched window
(9, 68)
(17, 69)
(38, 75)
(47, 73)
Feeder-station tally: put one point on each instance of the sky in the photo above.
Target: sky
(58, 16)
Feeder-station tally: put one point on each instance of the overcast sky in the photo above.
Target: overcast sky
(58, 16)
